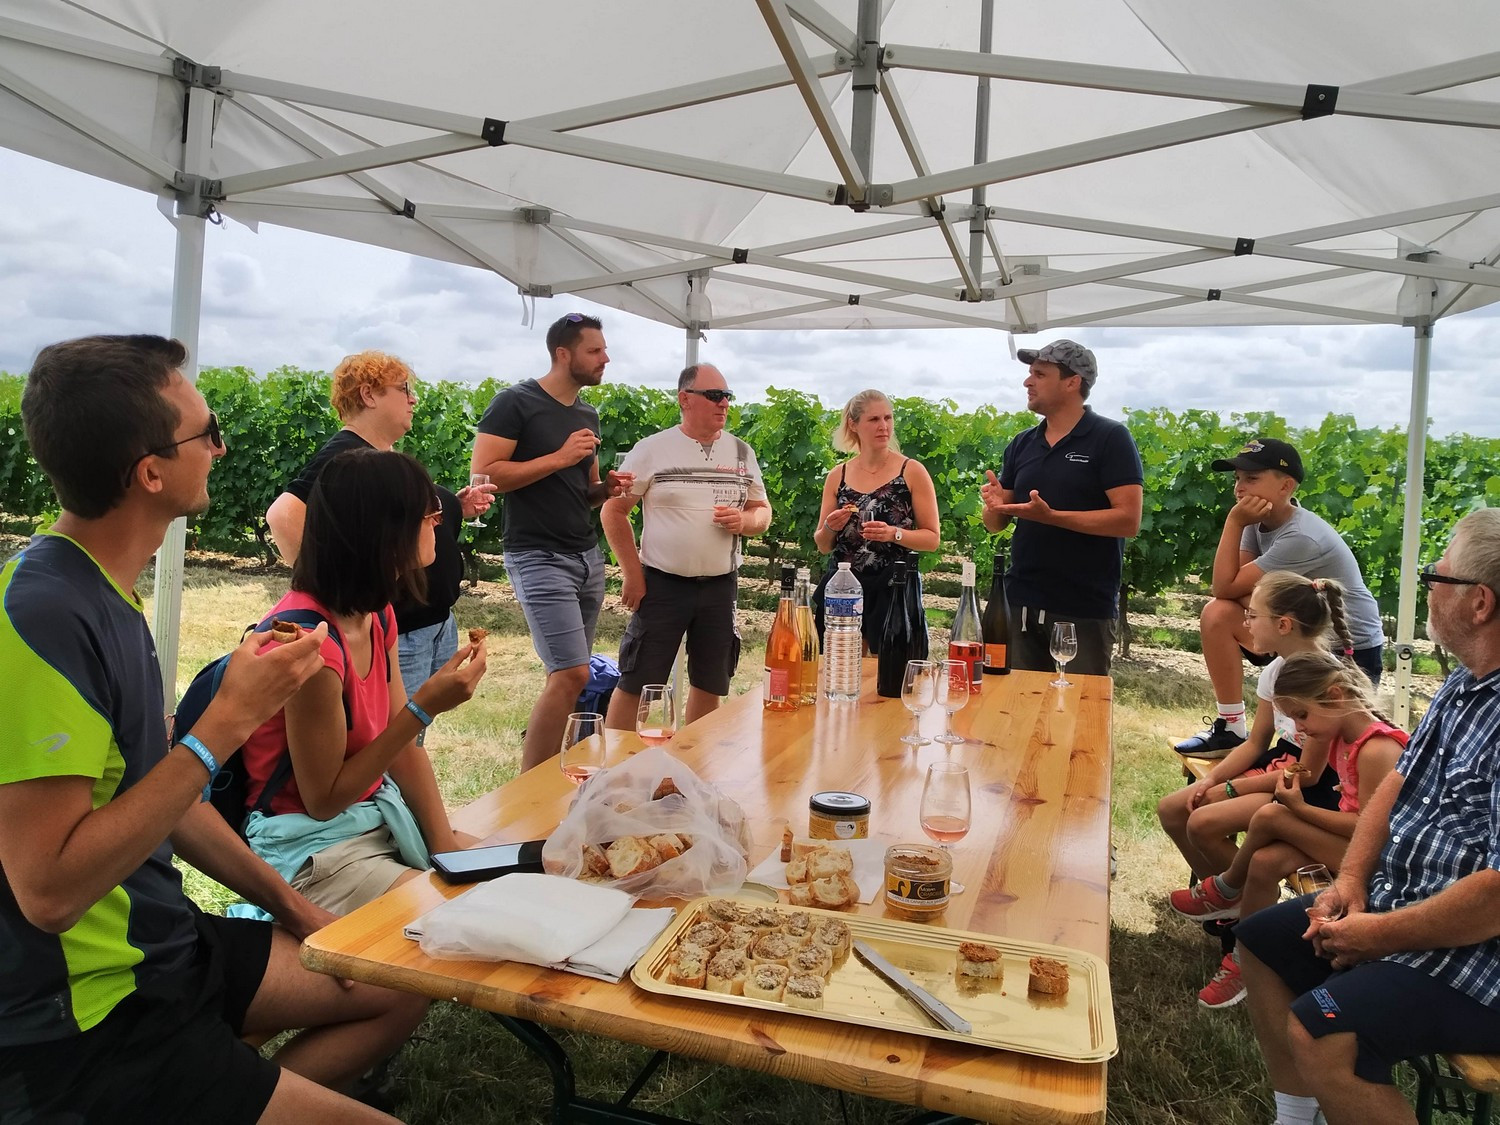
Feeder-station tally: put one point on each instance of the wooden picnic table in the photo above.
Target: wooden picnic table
(1036, 865)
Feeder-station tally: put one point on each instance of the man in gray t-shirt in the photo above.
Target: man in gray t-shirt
(1266, 530)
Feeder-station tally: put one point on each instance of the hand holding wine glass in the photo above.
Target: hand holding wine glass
(582, 753)
(917, 692)
(953, 694)
(946, 811)
(475, 480)
(656, 715)
(1064, 648)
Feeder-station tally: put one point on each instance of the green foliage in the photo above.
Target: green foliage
(1356, 476)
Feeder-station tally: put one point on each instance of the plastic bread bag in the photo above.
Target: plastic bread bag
(651, 827)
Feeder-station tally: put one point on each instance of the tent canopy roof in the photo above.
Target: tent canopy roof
(754, 165)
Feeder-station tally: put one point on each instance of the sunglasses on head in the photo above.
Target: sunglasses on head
(215, 438)
(714, 396)
(436, 515)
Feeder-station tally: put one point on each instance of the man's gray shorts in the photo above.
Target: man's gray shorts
(561, 595)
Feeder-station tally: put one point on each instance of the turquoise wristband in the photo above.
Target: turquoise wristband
(422, 716)
(205, 755)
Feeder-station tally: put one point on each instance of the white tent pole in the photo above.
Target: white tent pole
(187, 307)
(1411, 524)
(866, 89)
(978, 224)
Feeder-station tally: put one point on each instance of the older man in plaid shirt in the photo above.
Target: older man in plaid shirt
(1411, 963)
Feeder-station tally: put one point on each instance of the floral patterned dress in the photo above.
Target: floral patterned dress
(871, 562)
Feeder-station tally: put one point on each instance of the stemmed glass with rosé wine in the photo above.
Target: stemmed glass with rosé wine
(946, 811)
(656, 716)
(582, 746)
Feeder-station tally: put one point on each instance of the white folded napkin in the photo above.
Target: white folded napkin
(612, 956)
(528, 917)
(869, 866)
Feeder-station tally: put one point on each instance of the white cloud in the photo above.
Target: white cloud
(80, 255)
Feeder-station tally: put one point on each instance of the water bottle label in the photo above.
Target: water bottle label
(843, 607)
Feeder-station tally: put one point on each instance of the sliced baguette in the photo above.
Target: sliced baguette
(1049, 977)
(978, 960)
(766, 982)
(804, 991)
(630, 855)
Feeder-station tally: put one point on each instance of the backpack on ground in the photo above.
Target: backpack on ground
(604, 674)
(231, 790)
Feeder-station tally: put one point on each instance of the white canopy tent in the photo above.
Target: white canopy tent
(792, 164)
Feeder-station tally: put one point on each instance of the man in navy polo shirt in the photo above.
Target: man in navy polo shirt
(1081, 480)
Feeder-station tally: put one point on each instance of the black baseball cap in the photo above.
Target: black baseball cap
(1263, 453)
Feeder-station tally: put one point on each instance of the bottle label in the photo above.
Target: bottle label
(994, 656)
(843, 607)
(777, 682)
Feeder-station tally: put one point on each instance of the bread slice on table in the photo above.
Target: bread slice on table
(595, 862)
(836, 892)
(727, 972)
(796, 871)
(687, 966)
(976, 959)
(812, 960)
(739, 936)
(630, 855)
(772, 948)
(799, 894)
(667, 845)
(827, 862)
(766, 982)
(1049, 976)
(724, 911)
(834, 936)
(705, 935)
(804, 991)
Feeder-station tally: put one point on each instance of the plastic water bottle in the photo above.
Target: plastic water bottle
(843, 640)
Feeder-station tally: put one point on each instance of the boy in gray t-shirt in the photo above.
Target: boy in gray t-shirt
(1266, 530)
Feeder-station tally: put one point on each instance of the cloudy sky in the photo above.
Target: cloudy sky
(80, 255)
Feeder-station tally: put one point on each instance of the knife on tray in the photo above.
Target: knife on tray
(939, 1012)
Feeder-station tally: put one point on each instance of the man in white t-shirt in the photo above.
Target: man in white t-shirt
(701, 491)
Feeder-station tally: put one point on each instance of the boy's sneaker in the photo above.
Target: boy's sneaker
(1226, 989)
(1204, 902)
(1214, 742)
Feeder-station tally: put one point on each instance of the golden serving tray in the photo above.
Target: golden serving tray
(1078, 1027)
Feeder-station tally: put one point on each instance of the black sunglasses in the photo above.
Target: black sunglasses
(714, 396)
(214, 436)
(1430, 577)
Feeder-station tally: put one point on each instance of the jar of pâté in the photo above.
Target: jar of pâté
(834, 815)
(916, 879)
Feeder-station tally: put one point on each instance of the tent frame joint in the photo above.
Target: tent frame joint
(197, 195)
(197, 75)
(537, 216)
(1214, 295)
(1319, 101)
(493, 131)
(534, 290)
(1243, 246)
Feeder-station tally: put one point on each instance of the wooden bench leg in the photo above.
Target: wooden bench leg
(1439, 1090)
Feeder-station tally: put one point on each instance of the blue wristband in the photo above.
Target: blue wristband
(210, 763)
(422, 716)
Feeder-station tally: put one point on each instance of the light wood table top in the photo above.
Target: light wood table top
(1036, 865)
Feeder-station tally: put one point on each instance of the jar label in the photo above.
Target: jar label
(919, 892)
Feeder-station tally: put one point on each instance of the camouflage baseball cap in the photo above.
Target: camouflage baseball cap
(1072, 357)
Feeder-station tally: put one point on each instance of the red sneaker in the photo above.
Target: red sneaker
(1226, 989)
(1204, 902)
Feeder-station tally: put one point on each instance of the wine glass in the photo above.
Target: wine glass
(656, 715)
(475, 480)
(945, 810)
(582, 753)
(917, 692)
(1064, 648)
(1329, 906)
(953, 694)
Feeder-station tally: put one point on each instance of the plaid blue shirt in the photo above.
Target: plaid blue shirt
(1446, 823)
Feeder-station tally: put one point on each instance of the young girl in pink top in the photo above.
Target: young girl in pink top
(1331, 702)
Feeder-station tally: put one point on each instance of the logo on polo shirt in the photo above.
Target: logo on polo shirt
(1077, 458)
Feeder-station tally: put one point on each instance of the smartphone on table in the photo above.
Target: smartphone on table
(474, 864)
